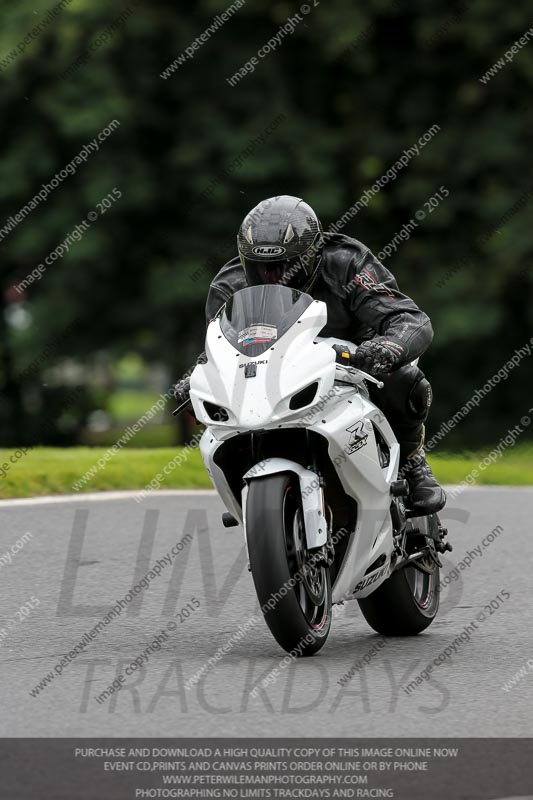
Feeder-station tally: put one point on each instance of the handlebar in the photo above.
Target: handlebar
(354, 372)
(343, 360)
(181, 408)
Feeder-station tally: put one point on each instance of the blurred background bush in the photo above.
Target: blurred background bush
(90, 346)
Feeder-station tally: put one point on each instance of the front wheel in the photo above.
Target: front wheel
(293, 588)
(406, 603)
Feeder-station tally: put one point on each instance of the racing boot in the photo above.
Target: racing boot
(405, 399)
(426, 495)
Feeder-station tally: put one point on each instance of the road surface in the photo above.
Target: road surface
(84, 554)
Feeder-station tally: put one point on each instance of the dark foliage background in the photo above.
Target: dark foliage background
(355, 87)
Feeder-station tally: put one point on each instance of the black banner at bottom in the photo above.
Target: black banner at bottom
(405, 769)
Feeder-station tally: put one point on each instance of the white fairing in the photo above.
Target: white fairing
(312, 496)
(282, 371)
(341, 414)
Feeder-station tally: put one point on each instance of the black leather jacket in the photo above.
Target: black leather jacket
(361, 295)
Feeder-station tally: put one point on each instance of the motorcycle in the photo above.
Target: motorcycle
(303, 459)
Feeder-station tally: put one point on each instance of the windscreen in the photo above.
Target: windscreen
(255, 318)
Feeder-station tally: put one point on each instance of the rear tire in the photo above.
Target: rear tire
(406, 603)
(298, 594)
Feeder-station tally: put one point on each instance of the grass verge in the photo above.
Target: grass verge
(45, 471)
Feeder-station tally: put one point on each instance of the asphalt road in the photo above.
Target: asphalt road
(85, 554)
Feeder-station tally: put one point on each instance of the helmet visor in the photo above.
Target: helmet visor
(291, 272)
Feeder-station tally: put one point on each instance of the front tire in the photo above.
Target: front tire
(294, 593)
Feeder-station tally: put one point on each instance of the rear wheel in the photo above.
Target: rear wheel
(293, 587)
(407, 602)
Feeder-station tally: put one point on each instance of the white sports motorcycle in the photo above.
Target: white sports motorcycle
(309, 465)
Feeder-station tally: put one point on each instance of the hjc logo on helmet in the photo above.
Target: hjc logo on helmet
(269, 250)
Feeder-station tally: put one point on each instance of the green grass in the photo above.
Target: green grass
(45, 471)
(513, 468)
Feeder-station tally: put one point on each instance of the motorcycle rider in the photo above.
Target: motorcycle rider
(281, 241)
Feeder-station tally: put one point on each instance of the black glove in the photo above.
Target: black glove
(182, 391)
(378, 356)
